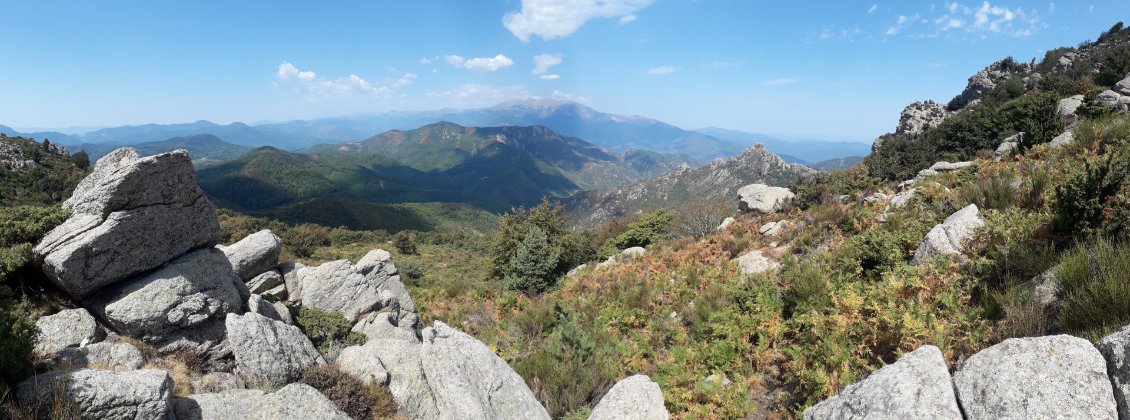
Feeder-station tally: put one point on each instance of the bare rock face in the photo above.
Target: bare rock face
(118, 357)
(918, 117)
(184, 300)
(1116, 350)
(399, 362)
(917, 386)
(1029, 378)
(275, 311)
(755, 262)
(102, 394)
(469, 381)
(352, 290)
(634, 397)
(268, 352)
(762, 198)
(989, 77)
(383, 325)
(68, 328)
(255, 254)
(947, 238)
(293, 402)
(130, 215)
(1066, 107)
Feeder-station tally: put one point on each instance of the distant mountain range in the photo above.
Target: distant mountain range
(205, 149)
(493, 168)
(615, 133)
(718, 180)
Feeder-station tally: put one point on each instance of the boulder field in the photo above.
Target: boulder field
(141, 258)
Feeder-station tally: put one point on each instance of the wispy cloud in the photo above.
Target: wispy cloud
(903, 22)
(661, 70)
(315, 88)
(484, 64)
(1051, 8)
(542, 63)
(983, 20)
(780, 82)
(425, 60)
(873, 8)
(551, 19)
(477, 95)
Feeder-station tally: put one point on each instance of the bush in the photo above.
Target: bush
(567, 370)
(532, 267)
(17, 339)
(1094, 281)
(571, 248)
(700, 217)
(649, 228)
(1086, 203)
(991, 192)
(329, 331)
(349, 394)
(405, 242)
(1115, 66)
(81, 160)
(305, 238)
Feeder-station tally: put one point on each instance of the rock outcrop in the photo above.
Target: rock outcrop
(182, 304)
(68, 328)
(899, 201)
(989, 77)
(754, 262)
(292, 402)
(351, 290)
(269, 352)
(254, 255)
(1045, 377)
(383, 325)
(275, 311)
(469, 381)
(130, 215)
(1066, 107)
(634, 397)
(948, 237)
(106, 395)
(918, 117)
(406, 380)
(1115, 348)
(762, 198)
(119, 357)
(917, 386)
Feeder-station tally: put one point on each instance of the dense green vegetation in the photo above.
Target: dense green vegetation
(51, 177)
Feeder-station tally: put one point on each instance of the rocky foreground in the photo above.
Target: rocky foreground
(141, 260)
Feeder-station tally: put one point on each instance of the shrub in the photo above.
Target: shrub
(1094, 281)
(514, 227)
(1085, 202)
(648, 229)
(305, 238)
(17, 339)
(349, 394)
(329, 331)
(1022, 315)
(1115, 66)
(991, 192)
(567, 370)
(405, 242)
(81, 160)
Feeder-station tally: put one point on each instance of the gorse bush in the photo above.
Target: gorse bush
(328, 330)
(1089, 202)
(1094, 281)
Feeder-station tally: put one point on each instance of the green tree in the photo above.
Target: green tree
(81, 159)
(405, 242)
(573, 248)
(650, 228)
(533, 266)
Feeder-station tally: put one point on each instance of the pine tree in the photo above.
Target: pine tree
(532, 267)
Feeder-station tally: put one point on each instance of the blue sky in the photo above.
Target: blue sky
(833, 70)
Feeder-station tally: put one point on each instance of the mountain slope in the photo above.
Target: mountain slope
(720, 179)
(804, 151)
(204, 148)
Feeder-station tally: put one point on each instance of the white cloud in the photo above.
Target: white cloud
(550, 19)
(628, 19)
(542, 63)
(486, 64)
(981, 20)
(661, 70)
(1051, 8)
(873, 8)
(477, 95)
(903, 22)
(779, 82)
(425, 60)
(316, 89)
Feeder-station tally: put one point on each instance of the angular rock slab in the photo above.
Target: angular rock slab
(1056, 376)
(68, 328)
(754, 262)
(276, 311)
(469, 381)
(917, 386)
(130, 215)
(351, 290)
(383, 325)
(634, 397)
(191, 293)
(264, 282)
(292, 402)
(255, 254)
(947, 238)
(400, 361)
(103, 395)
(1116, 350)
(119, 357)
(268, 352)
(763, 198)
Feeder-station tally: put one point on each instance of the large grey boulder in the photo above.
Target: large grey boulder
(268, 352)
(384, 325)
(291, 282)
(130, 215)
(352, 290)
(400, 361)
(292, 402)
(255, 254)
(1123, 86)
(763, 198)
(898, 201)
(1115, 348)
(184, 301)
(988, 78)
(918, 117)
(264, 282)
(917, 386)
(1067, 106)
(1029, 378)
(948, 237)
(1008, 145)
(1064, 138)
(754, 262)
(634, 397)
(275, 311)
(106, 395)
(119, 357)
(469, 381)
(68, 328)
